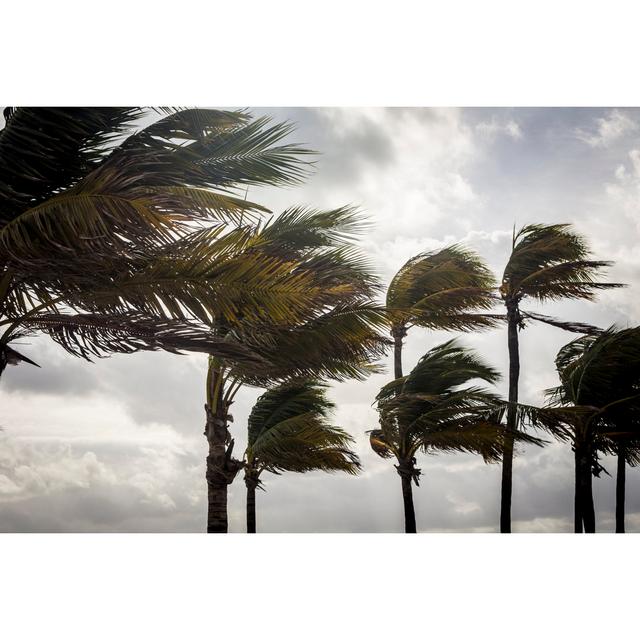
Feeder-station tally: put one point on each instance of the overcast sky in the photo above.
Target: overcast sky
(118, 445)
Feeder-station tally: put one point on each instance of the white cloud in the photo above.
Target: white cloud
(28, 469)
(608, 129)
(624, 191)
(413, 180)
(492, 128)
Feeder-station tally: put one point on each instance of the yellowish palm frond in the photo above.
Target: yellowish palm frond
(442, 289)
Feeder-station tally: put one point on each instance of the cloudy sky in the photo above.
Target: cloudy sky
(117, 445)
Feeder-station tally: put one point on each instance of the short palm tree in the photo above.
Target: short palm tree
(335, 333)
(435, 409)
(547, 262)
(97, 218)
(597, 408)
(448, 289)
(289, 431)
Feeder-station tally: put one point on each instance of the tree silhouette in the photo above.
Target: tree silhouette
(547, 262)
(433, 409)
(289, 431)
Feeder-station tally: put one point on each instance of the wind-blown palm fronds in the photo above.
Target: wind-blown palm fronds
(343, 343)
(88, 335)
(434, 409)
(449, 289)
(334, 331)
(598, 404)
(45, 151)
(289, 431)
(98, 216)
(547, 262)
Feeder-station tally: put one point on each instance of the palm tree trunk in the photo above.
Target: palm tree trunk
(217, 506)
(398, 334)
(216, 433)
(409, 511)
(620, 489)
(251, 481)
(407, 471)
(577, 500)
(507, 456)
(588, 510)
(222, 468)
(251, 509)
(584, 491)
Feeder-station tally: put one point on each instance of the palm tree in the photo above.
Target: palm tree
(289, 430)
(445, 289)
(434, 409)
(627, 450)
(98, 215)
(335, 333)
(547, 262)
(597, 408)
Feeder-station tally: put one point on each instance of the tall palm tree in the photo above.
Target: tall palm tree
(336, 332)
(627, 451)
(445, 289)
(97, 217)
(547, 262)
(435, 409)
(289, 431)
(597, 408)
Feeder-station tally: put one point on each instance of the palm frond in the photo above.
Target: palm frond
(217, 149)
(12, 357)
(299, 228)
(552, 262)
(343, 343)
(573, 327)
(44, 151)
(381, 445)
(435, 408)
(92, 335)
(289, 431)
(441, 370)
(442, 289)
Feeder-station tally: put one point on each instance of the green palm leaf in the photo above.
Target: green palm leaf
(91, 335)
(100, 222)
(44, 151)
(449, 289)
(288, 430)
(551, 262)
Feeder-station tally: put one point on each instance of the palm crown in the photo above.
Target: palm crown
(97, 223)
(598, 398)
(441, 290)
(337, 333)
(434, 408)
(289, 430)
(551, 262)
(446, 289)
